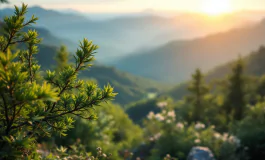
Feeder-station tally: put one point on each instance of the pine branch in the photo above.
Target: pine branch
(6, 113)
(11, 36)
(61, 114)
(68, 81)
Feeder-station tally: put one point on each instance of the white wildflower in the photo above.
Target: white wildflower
(217, 135)
(157, 136)
(151, 115)
(151, 139)
(234, 140)
(171, 114)
(197, 141)
(159, 117)
(199, 126)
(225, 136)
(161, 104)
(180, 125)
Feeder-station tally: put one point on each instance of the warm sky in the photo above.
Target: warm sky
(138, 5)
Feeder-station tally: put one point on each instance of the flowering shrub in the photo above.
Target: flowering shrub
(170, 136)
(74, 153)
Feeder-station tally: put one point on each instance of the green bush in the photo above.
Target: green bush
(251, 131)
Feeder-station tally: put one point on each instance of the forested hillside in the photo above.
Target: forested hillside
(254, 66)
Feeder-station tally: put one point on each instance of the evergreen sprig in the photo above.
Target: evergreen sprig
(31, 107)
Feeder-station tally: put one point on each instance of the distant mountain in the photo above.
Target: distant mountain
(69, 11)
(48, 18)
(48, 38)
(124, 35)
(254, 64)
(176, 60)
(130, 88)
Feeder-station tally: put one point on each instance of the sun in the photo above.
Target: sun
(216, 7)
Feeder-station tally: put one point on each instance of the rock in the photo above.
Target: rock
(200, 153)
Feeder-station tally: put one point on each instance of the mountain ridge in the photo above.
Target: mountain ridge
(178, 59)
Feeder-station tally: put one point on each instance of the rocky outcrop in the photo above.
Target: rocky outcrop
(200, 153)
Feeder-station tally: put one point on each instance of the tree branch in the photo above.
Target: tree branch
(59, 115)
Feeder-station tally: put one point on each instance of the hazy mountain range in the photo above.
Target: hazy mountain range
(176, 60)
(123, 35)
(164, 48)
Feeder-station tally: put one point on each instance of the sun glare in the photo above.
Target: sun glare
(216, 7)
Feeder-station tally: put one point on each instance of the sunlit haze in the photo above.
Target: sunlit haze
(212, 7)
(216, 7)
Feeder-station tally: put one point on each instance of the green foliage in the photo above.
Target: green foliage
(235, 102)
(198, 90)
(251, 131)
(33, 107)
(260, 90)
(62, 58)
(138, 111)
(112, 130)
